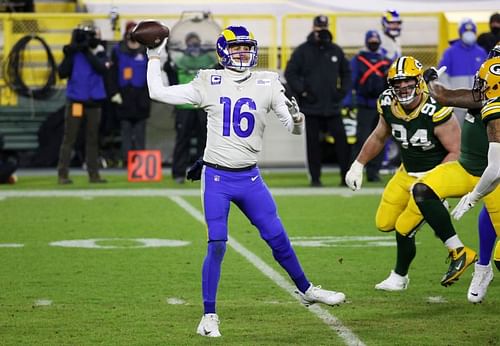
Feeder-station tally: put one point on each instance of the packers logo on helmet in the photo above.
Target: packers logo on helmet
(240, 60)
(403, 69)
(487, 80)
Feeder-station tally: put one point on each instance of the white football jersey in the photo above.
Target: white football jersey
(391, 47)
(237, 105)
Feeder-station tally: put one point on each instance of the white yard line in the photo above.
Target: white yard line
(176, 195)
(180, 192)
(333, 322)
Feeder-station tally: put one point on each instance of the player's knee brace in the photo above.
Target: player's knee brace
(421, 192)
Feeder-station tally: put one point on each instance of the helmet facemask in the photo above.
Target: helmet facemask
(479, 89)
(402, 71)
(237, 49)
(242, 56)
(405, 89)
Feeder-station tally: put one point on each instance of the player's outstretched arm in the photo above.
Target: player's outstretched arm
(176, 94)
(490, 178)
(372, 147)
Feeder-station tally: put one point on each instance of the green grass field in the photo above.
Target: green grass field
(135, 288)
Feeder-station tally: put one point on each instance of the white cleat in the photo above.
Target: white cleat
(481, 278)
(393, 283)
(209, 326)
(315, 294)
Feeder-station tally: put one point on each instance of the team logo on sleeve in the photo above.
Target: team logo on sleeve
(263, 81)
(215, 79)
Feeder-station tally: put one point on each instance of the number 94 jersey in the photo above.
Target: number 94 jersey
(420, 149)
(237, 112)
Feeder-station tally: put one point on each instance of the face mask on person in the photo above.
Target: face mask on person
(469, 38)
(373, 46)
(193, 49)
(495, 31)
(323, 36)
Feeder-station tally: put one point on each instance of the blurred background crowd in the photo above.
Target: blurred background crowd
(51, 116)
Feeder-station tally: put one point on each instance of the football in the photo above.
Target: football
(150, 33)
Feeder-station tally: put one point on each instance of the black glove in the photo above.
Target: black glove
(430, 74)
(194, 172)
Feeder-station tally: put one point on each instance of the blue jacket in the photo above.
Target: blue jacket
(85, 83)
(358, 69)
(462, 63)
(137, 61)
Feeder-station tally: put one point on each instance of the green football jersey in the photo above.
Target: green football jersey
(419, 147)
(474, 150)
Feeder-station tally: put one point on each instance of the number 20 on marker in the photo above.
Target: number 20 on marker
(144, 165)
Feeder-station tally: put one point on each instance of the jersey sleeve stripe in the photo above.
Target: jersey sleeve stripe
(491, 111)
(442, 115)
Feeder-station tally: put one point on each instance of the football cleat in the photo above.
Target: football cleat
(460, 258)
(315, 294)
(481, 278)
(209, 326)
(394, 282)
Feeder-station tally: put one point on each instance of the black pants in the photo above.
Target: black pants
(333, 126)
(133, 134)
(367, 121)
(91, 116)
(6, 170)
(188, 123)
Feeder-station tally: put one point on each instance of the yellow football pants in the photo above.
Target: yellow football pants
(398, 210)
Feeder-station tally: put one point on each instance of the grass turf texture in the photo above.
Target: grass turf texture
(119, 296)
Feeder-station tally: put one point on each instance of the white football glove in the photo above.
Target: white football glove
(293, 108)
(117, 98)
(354, 177)
(156, 52)
(466, 203)
(441, 70)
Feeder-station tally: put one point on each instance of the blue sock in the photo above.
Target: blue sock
(285, 255)
(487, 237)
(211, 274)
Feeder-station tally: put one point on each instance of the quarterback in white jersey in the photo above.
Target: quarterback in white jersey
(391, 25)
(237, 101)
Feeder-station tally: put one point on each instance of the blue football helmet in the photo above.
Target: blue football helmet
(391, 23)
(236, 36)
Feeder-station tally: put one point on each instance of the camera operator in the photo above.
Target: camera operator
(85, 64)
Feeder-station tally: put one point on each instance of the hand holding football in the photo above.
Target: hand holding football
(150, 33)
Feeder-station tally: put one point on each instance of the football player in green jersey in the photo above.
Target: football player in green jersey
(477, 173)
(427, 134)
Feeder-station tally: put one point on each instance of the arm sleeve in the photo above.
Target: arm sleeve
(66, 66)
(98, 63)
(113, 74)
(175, 95)
(293, 73)
(345, 74)
(491, 175)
